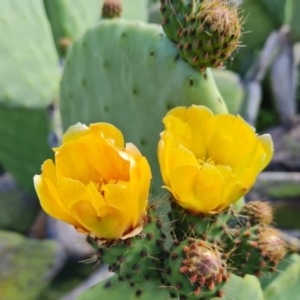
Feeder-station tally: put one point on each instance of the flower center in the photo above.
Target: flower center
(205, 161)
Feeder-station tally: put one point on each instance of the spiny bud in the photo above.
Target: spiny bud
(270, 244)
(111, 9)
(203, 264)
(258, 212)
(215, 23)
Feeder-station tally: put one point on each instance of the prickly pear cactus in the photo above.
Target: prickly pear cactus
(131, 80)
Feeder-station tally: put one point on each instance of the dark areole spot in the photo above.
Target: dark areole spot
(108, 284)
(169, 106)
(219, 100)
(205, 76)
(106, 108)
(191, 81)
(138, 293)
(142, 142)
(152, 53)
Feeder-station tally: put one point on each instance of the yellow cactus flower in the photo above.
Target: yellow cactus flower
(210, 161)
(96, 184)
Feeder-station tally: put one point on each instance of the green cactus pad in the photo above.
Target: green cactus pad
(29, 74)
(231, 88)
(286, 285)
(27, 265)
(130, 74)
(243, 288)
(114, 289)
(13, 203)
(24, 146)
(69, 19)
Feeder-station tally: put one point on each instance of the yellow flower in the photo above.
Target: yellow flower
(96, 184)
(210, 161)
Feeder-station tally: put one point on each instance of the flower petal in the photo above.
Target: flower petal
(108, 222)
(198, 190)
(91, 158)
(72, 191)
(109, 131)
(181, 157)
(75, 132)
(180, 130)
(268, 147)
(197, 118)
(230, 141)
(49, 197)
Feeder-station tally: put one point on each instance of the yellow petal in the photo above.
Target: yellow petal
(165, 155)
(199, 190)
(197, 118)
(50, 200)
(268, 147)
(180, 130)
(75, 132)
(91, 158)
(109, 131)
(108, 223)
(140, 179)
(182, 157)
(121, 196)
(230, 141)
(233, 190)
(179, 112)
(72, 191)
(131, 149)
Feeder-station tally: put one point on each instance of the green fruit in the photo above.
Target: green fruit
(206, 33)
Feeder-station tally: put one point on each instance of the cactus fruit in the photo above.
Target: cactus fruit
(111, 9)
(254, 250)
(258, 212)
(206, 33)
(195, 270)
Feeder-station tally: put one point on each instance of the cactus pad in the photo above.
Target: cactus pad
(29, 74)
(130, 74)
